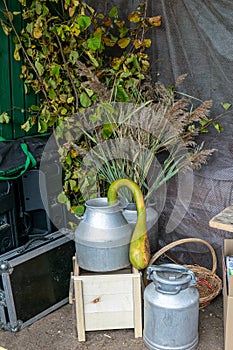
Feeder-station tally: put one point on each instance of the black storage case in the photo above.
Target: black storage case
(8, 228)
(40, 190)
(35, 280)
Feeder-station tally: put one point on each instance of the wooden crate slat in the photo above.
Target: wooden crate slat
(111, 302)
(109, 320)
(111, 282)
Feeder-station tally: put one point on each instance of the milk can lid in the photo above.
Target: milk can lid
(171, 276)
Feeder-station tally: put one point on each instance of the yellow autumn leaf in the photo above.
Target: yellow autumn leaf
(73, 153)
(155, 21)
(120, 24)
(70, 99)
(123, 43)
(72, 11)
(109, 42)
(93, 59)
(116, 62)
(147, 42)
(137, 43)
(73, 208)
(24, 69)
(28, 124)
(145, 65)
(37, 32)
(5, 28)
(134, 17)
(16, 53)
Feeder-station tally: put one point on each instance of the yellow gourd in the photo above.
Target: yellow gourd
(139, 252)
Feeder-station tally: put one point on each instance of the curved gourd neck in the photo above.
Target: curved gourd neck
(137, 194)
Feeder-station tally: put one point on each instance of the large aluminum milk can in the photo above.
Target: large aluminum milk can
(102, 237)
(171, 308)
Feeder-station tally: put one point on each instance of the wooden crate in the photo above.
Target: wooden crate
(106, 300)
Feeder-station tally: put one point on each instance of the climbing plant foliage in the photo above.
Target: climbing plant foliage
(66, 43)
(74, 57)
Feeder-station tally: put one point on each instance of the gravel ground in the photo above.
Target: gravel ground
(57, 331)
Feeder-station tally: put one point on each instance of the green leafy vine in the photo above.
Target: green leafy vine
(61, 40)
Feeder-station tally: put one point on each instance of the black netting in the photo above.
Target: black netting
(196, 37)
(209, 197)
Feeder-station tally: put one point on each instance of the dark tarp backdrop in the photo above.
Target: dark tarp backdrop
(197, 38)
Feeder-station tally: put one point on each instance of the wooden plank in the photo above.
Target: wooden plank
(107, 283)
(79, 310)
(109, 320)
(75, 266)
(71, 289)
(137, 307)
(113, 302)
(223, 220)
(127, 270)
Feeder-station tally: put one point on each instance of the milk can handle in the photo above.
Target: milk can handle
(182, 271)
(152, 271)
(161, 268)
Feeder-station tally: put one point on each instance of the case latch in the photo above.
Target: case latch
(2, 298)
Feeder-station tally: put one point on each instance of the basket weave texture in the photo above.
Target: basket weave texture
(209, 284)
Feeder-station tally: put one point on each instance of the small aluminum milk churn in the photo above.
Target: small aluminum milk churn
(102, 237)
(171, 308)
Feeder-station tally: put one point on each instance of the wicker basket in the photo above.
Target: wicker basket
(209, 284)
